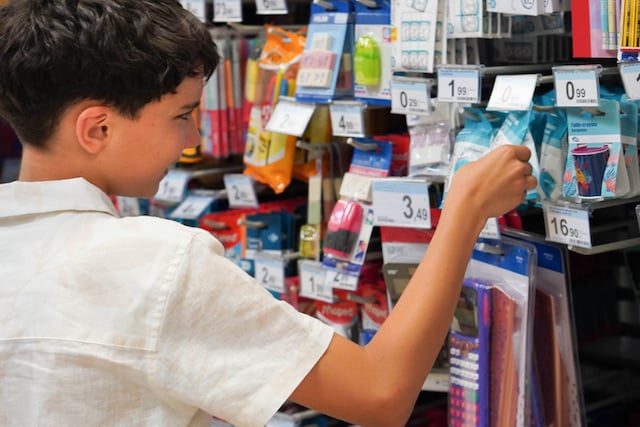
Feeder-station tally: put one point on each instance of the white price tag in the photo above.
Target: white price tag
(460, 85)
(290, 117)
(269, 272)
(567, 225)
(172, 186)
(312, 281)
(491, 230)
(128, 206)
(192, 207)
(340, 280)
(576, 88)
(197, 7)
(347, 118)
(271, 7)
(227, 11)
(240, 191)
(630, 74)
(512, 93)
(410, 97)
(401, 203)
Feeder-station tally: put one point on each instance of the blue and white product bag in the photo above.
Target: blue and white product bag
(515, 131)
(553, 154)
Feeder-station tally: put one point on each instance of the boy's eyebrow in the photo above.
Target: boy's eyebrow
(191, 106)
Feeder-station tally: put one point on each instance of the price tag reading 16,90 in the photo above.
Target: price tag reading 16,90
(401, 203)
(567, 225)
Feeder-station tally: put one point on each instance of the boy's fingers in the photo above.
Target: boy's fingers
(522, 152)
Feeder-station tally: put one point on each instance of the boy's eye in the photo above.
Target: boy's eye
(185, 116)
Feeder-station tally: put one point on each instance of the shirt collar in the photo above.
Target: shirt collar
(75, 194)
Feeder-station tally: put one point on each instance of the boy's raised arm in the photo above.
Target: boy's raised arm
(377, 385)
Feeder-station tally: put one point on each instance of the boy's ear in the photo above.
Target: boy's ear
(93, 128)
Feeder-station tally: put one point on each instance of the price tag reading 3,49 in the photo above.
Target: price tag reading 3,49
(458, 85)
(401, 203)
(576, 88)
(567, 225)
(227, 11)
(410, 97)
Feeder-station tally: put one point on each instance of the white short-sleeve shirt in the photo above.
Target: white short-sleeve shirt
(134, 321)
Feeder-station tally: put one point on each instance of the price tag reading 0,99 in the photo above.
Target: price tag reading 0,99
(577, 88)
(399, 203)
(567, 225)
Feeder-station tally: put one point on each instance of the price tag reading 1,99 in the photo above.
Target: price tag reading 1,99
(227, 11)
(410, 97)
(458, 85)
(567, 225)
(576, 88)
(401, 203)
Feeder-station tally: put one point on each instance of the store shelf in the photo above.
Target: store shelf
(612, 225)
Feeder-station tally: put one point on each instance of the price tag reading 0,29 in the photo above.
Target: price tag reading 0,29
(410, 97)
(568, 226)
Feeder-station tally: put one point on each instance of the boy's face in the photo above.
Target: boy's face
(145, 147)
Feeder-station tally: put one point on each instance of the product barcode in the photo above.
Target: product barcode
(586, 101)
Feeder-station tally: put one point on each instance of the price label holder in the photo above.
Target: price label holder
(290, 117)
(630, 74)
(512, 93)
(347, 118)
(192, 207)
(128, 206)
(491, 230)
(271, 7)
(411, 95)
(312, 281)
(269, 271)
(173, 186)
(459, 83)
(197, 7)
(568, 225)
(577, 86)
(227, 11)
(340, 280)
(401, 203)
(240, 191)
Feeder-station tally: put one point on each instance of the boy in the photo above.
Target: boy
(142, 321)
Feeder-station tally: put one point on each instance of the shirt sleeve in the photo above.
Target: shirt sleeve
(226, 345)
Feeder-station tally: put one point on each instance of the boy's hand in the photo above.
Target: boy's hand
(493, 184)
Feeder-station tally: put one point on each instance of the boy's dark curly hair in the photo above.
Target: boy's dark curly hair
(125, 53)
